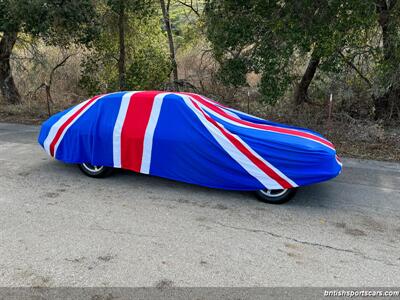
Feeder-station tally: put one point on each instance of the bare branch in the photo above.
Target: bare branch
(192, 8)
(353, 66)
(47, 85)
(37, 89)
(60, 64)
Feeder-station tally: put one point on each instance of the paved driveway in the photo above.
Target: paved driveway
(60, 228)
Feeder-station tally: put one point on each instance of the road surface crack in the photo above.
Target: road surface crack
(289, 238)
(313, 244)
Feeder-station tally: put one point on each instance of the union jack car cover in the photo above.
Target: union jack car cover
(189, 138)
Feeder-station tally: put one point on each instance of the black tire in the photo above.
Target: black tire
(275, 196)
(95, 171)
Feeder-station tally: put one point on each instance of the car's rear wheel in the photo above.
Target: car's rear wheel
(95, 171)
(275, 196)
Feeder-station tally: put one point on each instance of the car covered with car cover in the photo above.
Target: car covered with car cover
(190, 138)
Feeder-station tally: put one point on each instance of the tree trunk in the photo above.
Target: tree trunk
(301, 92)
(167, 23)
(122, 54)
(7, 84)
(384, 8)
(387, 104)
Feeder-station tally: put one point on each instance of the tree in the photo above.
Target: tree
(166, 18)
(57, 22)
(121, 36)
(388, 17)
(271, 37)
(120, 9)
(301, 91)
(143, 63)
(7, 84)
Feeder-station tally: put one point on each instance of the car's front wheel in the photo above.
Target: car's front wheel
(95, 171)
(275, 196)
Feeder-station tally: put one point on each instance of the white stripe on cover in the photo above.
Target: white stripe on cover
(237, 155)
(126, 98)
(72, 122)
(277, 171)
(149, 133)
(338, 161)
(54, 129)
(229, 111)
(255, 128)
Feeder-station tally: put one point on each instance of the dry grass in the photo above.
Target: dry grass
(32, 64)
(29, 112)
(351, 137)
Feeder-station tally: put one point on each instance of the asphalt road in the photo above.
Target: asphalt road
(60, 228)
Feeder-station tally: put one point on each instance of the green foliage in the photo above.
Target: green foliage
(57, 22)
(142, 6)
(233, 72)
(186, 25)
(389, 54)
(150, 66)
(147, 60)
(272, 36)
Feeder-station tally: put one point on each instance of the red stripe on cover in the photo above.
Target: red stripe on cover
(271, 128)
(134, 129)
(70, 119)
(260, 164)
